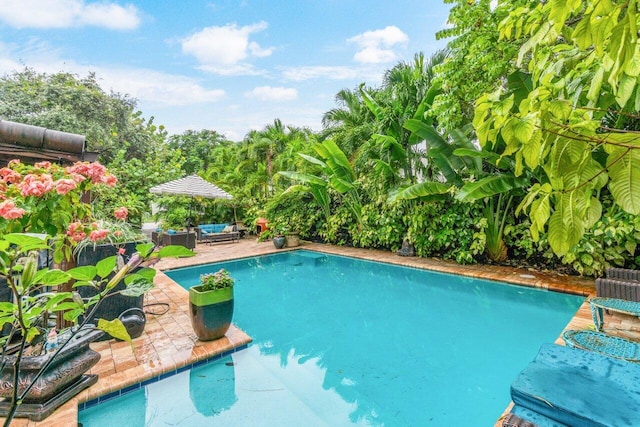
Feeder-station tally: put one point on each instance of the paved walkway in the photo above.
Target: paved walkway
(169, 343)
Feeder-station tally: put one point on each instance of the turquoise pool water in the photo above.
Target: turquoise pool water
(340, 341)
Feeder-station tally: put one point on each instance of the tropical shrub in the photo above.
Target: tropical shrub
(295, 211)
(339, 228)
(448, 229)
(611, 242)
(382, 226)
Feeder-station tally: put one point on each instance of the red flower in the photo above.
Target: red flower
(10, 176)
(8, 210)
(63, 186)
(43, 165)
(36, 185)
(97, 235)
(110, 180)
(121, 213)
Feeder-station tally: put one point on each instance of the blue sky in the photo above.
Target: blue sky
(229, 66)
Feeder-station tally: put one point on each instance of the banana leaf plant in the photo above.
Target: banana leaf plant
(472, 174)
(335, 172)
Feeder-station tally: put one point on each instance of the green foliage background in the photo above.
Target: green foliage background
(548, 175)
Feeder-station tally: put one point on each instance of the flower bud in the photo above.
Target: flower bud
(29, 271)
(77, 298)
(135, 260)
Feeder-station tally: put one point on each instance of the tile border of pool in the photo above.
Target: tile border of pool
(126, 390)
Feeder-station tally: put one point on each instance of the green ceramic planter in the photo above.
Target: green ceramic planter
(211, 312)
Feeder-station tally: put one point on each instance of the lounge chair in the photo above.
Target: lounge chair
(602, 343)
(598, 305)
(574, 387)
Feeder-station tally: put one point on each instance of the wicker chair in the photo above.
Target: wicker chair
(620, 283)
(182, 238)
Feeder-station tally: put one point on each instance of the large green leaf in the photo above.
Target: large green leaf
(115, 328)
(303, 177)
(321, 196)
(424, 190)
(106, 266)
(371, 104)
(539, 214)
(624, 181)
(51, 277)
(145, 249)
(313, 160)
(136, 286)
(566, 225)
(86, 272)
(519, 84)
(490, 186)
(336, 160)
(175, 251)
(26, 242)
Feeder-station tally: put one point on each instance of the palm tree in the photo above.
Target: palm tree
(408, 91)
(350, 124)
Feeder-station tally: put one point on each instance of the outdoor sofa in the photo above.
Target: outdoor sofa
(214, 233)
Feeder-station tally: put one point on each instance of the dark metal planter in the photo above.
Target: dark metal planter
(279, 242)
(63, 378)
(211, 312)
(113, 306)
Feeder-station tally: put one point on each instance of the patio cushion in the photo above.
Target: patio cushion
(580, 388)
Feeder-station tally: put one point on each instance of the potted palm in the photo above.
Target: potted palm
(211, 305)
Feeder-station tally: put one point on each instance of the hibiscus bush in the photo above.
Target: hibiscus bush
(51, 199)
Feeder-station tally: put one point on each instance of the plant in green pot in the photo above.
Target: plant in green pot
(211, 305)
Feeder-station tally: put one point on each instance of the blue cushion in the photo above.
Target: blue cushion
(170, 231)
(212, 228)
(580, 388)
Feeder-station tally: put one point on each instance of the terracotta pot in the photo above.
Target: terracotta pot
(293, 240)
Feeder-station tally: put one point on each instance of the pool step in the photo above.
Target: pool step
(307, 258)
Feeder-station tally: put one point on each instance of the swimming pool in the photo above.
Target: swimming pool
(340, 341)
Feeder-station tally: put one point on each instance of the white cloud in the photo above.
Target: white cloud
(375, 47)
(223, 50)
(68, 13)
(374, 55)
(153, 87)
(269, 93)
(156, 88)
(316, 72)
